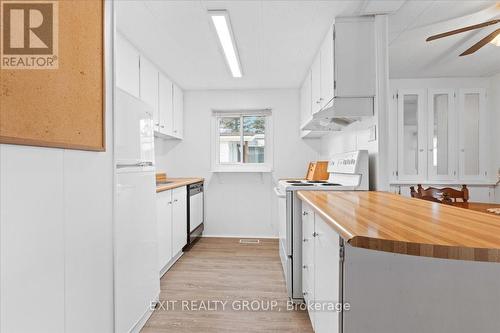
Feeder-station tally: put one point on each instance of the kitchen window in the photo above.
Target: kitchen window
(242, 141)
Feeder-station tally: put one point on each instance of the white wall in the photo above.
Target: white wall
(56, 254)
(237, 204)
(495, 96)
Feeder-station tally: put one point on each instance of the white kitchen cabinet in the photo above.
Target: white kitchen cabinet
(127, 66)
(178, 121)
(327, 76)
(308, 257)
(441, 135)
(149, 87)
(179, 219)
(305, 100)
(326, 276)
(166, 105)
(473, 130)
(316, 84)
(171, 216)
(321, 270)
(164, 221)
(412, 144)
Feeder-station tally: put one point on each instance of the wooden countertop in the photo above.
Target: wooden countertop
(392, 223)
(177, 182)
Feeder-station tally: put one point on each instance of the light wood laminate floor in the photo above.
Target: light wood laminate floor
(223, 270)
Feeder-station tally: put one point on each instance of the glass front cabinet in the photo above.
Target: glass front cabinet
(441, 135)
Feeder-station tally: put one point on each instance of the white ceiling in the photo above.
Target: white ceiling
(411, 56)
(277, 40)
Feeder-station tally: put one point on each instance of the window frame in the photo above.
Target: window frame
(267, 166)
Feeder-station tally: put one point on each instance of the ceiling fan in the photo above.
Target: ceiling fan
(494, 37)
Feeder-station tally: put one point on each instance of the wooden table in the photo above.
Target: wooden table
(477, 206)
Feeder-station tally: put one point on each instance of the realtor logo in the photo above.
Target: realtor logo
(29, 35)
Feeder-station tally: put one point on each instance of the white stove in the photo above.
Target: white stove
(347, 172)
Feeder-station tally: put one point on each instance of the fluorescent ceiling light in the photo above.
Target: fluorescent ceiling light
(220, 20)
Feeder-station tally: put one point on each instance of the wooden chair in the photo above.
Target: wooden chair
(443, 195)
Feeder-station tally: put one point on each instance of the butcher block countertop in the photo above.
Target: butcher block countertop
(391, 223)
(177, 182)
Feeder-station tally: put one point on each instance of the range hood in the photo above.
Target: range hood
(340, 112)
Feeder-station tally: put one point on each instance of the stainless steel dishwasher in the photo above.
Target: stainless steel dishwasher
(195, 213)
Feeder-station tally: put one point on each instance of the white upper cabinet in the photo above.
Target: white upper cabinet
(140, 77)
(355, 72)
(412, 155)
(305, 100)
(178, 121)
(441, 135)
(343, 73)
(316, 84)
(166, 105)
(127, 66)
(473, 129)
(149, 87)
(327, 70)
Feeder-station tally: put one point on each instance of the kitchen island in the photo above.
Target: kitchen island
(404, 265)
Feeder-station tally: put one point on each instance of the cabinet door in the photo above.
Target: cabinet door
(149, 88)
(166, 105)
(326, 276)
(179, 219)
(127, 66)
(473, 133)
(305, 100)
(355, 69)
(316, 84)
(441, 134)
(164, 221)
(327, 70)
(308, 257)
(412, 144)
(178, 112)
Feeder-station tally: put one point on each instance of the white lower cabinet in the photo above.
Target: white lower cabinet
(171, 210)
(321, 271)
(179, 219)
(164, 220)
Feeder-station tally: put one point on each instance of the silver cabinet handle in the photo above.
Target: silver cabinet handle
(315, 234)
(170, 202)
(304, 293)
(304, 267)
(320, 99)
(305, 240)
(176, 200)
(305, 213)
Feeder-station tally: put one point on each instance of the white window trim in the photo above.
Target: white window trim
(242, 167)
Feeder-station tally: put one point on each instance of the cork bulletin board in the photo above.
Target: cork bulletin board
(52, 90)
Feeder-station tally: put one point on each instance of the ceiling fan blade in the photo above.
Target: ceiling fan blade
(464, 29)
(481, 43)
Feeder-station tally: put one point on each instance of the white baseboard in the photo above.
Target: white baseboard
(170, 263)
(238, 236)
(142, 321)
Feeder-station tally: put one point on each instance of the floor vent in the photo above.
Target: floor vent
(249, 241)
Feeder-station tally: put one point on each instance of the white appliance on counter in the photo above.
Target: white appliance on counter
(347, 172)
(137, 283)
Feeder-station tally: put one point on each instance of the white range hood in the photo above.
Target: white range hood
(340, 112)
(343, 75)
